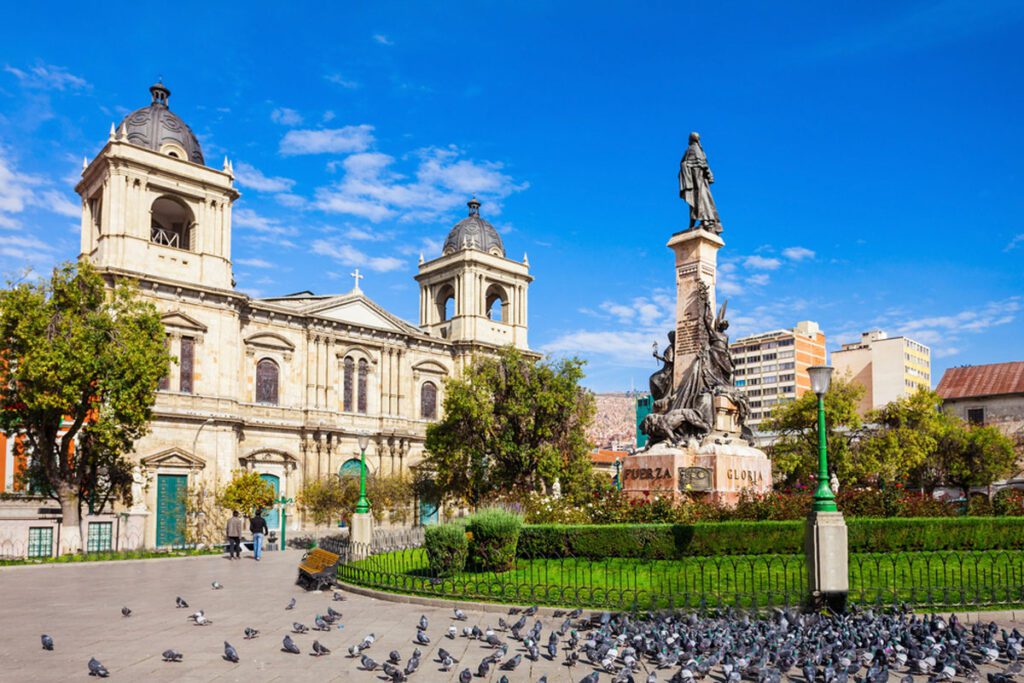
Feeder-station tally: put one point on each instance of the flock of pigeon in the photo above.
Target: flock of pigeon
(861, 646)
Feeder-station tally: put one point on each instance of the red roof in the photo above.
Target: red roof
(606, 457)
(982, 380)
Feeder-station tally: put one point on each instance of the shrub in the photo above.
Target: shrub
(978, 505)
(447, 548)
(494, 534)
(1008, 502)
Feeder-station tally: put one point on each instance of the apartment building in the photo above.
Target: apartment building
(887, 367)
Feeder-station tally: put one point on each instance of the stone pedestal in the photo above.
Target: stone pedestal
(360, 533)
(696, 261)
(828, 563)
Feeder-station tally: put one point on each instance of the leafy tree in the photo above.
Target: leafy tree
(795, 453)
(901, 440)
(975, 456)
(79, 366)
(325, 500)
(246, 492)
(390, 495)
(512, 424)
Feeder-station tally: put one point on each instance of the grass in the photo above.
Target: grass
(935, 579)
(108, 555)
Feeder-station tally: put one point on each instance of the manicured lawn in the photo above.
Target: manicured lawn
(938, 579)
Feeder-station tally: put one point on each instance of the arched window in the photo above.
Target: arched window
(346, 390)
(428, 401)
(497, 304)
(364, 369)
(171, 224)
(266, 382)
(446, 303)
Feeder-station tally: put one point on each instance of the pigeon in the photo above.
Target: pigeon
(217, 585)
(319, 650)
(97, 669)
(367, 641)
(590, 678)
(288, 645)
(452, 632)
(299, 628)
(332, 614)
(411, 665)
(483, 668)
(125, 612)
(422, 638)
(423, 622)
(320, 624)
(250, 633)
(230, 653)
(291, 604)
(442, 653)
(465, 676)
(338, 597)
(530, 611)
(447, 663)
(511, 664)
(200, 619)
(172, 656)
(180, 603)
(47, 642)
(460, 615)
(394, 657)
(367, 663)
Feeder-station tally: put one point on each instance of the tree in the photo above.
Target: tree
(246, 492)
(325, 500)
(511, 424)
(390, 495)
(900, 441)
(795, 453)
(79, 366)
(974, 456)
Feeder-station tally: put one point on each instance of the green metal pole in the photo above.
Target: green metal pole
(824, 499)
(284, 525)
(362, 505)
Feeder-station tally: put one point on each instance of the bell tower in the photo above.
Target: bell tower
(472, 293)
(150, 205)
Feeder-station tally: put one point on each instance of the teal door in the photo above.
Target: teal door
(272, 516)
(170, 509)
(429, 511)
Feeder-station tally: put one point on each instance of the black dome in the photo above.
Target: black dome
(474, 232)
(155, 126)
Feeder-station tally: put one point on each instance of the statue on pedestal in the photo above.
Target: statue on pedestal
(695, 179)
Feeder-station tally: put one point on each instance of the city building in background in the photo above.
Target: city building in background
(613, 427)
(887, 367)
(771, 367)
(986, 395)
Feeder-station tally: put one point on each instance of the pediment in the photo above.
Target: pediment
(270, 340)
(360, 311)
(430, 367)
(173, 457)
(181, 321)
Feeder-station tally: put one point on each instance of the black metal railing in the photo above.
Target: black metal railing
(398, 563)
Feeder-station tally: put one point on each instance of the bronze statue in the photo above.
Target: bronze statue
(661, 380)
(695, 179)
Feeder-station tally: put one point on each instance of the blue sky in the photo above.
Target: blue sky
(868, 156)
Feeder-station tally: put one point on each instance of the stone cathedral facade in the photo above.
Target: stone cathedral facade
(280, 385)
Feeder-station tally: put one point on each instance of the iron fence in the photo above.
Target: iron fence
(955, 579)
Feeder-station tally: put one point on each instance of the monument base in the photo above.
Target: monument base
(360, 533)
(828, 569)
(720, 467)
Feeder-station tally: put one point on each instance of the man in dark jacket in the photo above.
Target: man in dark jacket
(258, 527)
(234, 534)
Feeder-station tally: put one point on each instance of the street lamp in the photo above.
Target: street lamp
(824, 498)
(362, 505)
(618, 473)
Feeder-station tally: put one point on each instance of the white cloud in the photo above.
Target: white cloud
(327, 140)
(19, 191)
(328, 116)
(250, 220)
(48, 77)
(286, 117)
(248, 175)
(759, 280)
(382, 39)
(255, 263)
(797, 253)
(290, 200)
(348, 255)
(762, 262)
(442, 182)
(1012, 244)
(338, 79)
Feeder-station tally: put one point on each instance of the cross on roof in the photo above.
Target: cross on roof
(355, 274)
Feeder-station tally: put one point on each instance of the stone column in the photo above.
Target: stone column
(826, 549)
(696, 261)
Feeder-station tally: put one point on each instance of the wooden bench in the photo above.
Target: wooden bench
(318, 569)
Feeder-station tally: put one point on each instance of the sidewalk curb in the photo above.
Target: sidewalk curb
(84, 563)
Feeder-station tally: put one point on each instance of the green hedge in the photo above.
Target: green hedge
(669, 541)
(447, 548)
(493, 539)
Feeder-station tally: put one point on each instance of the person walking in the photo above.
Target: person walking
(258, 527)
(234, 532)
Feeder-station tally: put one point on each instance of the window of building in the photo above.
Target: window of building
(787, 366)
(266, 382)
(769, 356)
(347, 388)
(976, 416)
(788, 389)
(185, 363)
(496, 304)
(171, 223)
(740, 371)
(40, 541)
(770, 379)
(755, 416)
(785, 342)
(428, 401)
(785, 354)
(743, 382)
(100, 537)
(787, 378)
(446, 303)
(755, 404)
(771, 367)
(364, 370)
(754, 359)
(753, 381)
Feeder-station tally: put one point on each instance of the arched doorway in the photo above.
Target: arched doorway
(349, 468)
(272, 516)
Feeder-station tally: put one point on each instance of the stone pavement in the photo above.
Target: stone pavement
(79, 605)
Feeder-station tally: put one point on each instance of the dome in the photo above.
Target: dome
(474, 232)
(157, 128)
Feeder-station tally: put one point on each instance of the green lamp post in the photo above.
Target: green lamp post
(363, 504)
(284, 503)
(618, 473)
(824, 498)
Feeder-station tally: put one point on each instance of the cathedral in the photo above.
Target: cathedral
(283, 385)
